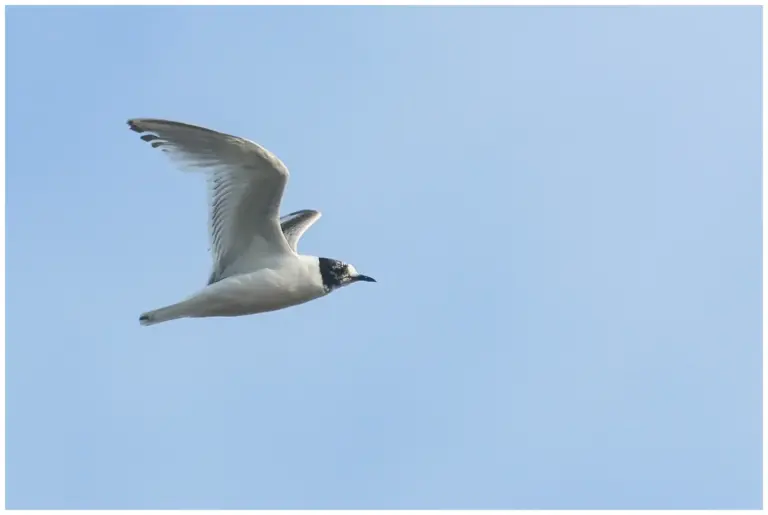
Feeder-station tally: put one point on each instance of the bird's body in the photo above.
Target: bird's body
(256, 264)
(292, 282)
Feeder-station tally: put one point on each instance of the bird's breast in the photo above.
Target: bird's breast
(264, 290)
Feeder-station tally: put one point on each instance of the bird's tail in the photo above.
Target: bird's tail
(165, 314)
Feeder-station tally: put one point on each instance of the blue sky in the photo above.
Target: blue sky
(561, 206)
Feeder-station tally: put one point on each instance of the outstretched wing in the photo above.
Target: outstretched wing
(246, 184)
(295, 224)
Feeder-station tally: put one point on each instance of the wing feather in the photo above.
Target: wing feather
(245, 182)
(295, 224)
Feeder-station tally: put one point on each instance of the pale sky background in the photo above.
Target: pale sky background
(561, 206)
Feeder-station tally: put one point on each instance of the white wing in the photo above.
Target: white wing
(246, 184)
(295, 224)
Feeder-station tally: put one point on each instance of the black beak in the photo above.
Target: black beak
(365, 278)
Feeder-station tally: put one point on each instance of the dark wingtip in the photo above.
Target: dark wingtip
(149, 138)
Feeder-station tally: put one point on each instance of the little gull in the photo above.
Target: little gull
(256, 266)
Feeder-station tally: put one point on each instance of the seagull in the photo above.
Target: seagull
(256, 264)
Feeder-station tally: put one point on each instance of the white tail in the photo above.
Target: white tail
(165, 314)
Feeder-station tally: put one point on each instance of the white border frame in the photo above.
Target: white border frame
(373, 2)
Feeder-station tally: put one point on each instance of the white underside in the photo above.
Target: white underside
(294, 282)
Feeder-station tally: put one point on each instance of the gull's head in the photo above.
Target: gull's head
(336, 274)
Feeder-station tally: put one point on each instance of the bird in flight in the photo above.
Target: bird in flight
(256, 266)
